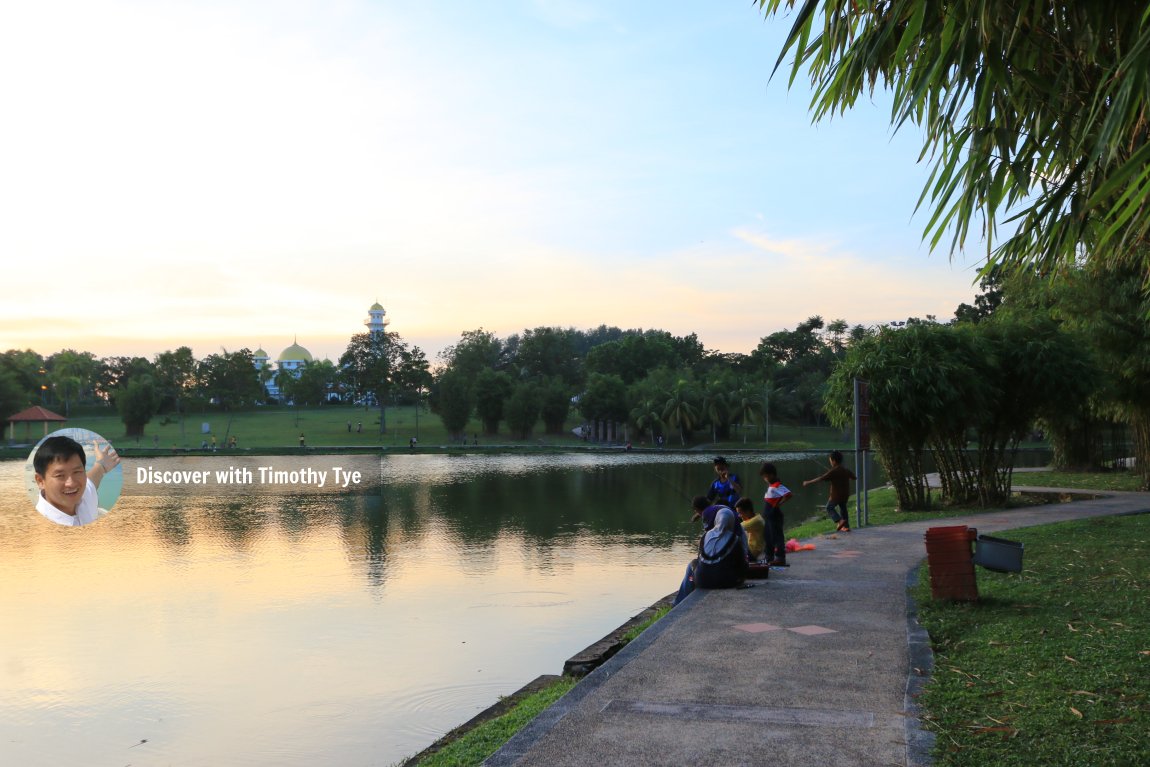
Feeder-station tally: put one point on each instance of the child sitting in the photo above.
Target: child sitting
(754, 526)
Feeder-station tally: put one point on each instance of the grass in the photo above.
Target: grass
(883, 505)
(477, 744)
(481, 742)
(883, 502)
(1052, 665)
(280, 427)
(1109, 480)
(635, 631)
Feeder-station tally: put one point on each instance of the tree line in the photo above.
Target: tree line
(375, 369)
(1069, 355)
(655, 383)
(651, 383)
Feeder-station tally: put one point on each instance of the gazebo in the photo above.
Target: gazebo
(34, 414)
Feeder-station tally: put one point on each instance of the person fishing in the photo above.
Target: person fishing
(722, 560)
(727, 488)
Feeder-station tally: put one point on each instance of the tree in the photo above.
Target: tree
(633, 356)
(1031, 368)
(71, 373)
(114, 373)
(914, 376)
(286, 381)
(314, 383)
(604, 398)
(747, 406)
(13, 398)
(27, 369)
(452, 400)
(136, 402)
(369, 366)
(987, 301)
(413, 376)
(798, 362)
(1033, 112)
(477, 350)
(491, 390)
(648, 417)
(175, 375)
(523, 409)
(837, 330)
(554, 405)
(1111, 310)
(229, 379)
(546, 352)
(716, 407)
(680, 410)
(929, 385)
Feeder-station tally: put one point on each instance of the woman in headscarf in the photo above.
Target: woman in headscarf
(722, 560)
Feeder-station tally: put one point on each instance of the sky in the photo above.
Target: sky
(224, 174)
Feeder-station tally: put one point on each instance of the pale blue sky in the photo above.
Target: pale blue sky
(239, 173)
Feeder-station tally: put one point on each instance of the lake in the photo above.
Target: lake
(196, 626)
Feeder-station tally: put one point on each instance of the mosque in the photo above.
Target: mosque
(294, 358)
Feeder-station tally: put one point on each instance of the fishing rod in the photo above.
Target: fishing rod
(663, 479)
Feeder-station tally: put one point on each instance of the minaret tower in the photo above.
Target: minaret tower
(376, 321)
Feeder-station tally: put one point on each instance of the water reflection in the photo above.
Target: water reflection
(310, 628)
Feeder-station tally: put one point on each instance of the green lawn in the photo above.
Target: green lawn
(481, 742)
(280, 427)
(884, 510)
(1052, 665)
(1110, 480)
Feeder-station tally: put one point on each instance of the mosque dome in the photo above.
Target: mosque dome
(376, 307)
(259, 354)
(294, 352)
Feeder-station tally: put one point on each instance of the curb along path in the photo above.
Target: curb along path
(817, 665)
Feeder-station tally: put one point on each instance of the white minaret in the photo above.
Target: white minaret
(376, 321)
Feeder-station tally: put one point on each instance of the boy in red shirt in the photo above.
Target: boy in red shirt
(777, 494)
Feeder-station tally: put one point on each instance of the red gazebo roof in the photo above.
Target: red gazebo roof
(37, 413)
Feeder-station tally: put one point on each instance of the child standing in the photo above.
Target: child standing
(840, 478)
(726, 488)
(754, 527)
(777, 494)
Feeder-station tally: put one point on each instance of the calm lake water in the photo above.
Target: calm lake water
(305, 627)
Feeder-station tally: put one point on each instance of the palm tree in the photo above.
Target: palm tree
(647, 417)
(680, 410)
(837, 330)
(717, 408)
(746, 407)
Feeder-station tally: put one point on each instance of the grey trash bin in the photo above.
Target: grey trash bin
(998, 554)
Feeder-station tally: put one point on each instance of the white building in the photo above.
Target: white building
(295, 358)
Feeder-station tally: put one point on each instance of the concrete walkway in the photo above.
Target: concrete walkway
(818, 665)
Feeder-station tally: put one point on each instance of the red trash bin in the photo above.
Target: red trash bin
(951, 562)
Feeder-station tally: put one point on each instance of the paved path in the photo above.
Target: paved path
(816, 666)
